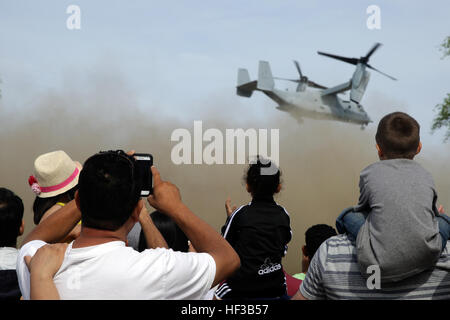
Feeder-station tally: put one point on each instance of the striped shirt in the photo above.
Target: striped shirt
(334, 273)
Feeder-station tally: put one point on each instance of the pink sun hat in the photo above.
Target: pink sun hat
(54, 173)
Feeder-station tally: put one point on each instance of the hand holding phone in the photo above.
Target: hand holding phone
(144, 162)
(166, 197)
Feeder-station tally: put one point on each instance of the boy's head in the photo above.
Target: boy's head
(108, 191)
(315, 236)
(262, 185)
(11, 218)
(398, 136)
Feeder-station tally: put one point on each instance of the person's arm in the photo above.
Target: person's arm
(363, 203)
(166, 198)
(153, 237)
(229, 208)
(298, 296)
(43, 267)
(57, 226)
(75, 233)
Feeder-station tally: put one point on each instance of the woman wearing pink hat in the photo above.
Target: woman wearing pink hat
(54, 182)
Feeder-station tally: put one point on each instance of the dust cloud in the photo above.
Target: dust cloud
(320, 160)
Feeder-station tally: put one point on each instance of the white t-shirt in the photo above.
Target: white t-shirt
(8, 258)
(114, 271)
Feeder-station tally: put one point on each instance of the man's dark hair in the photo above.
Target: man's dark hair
(398, 136)
(262, 186)
(11, 215)
(108, 189)
(315, 236)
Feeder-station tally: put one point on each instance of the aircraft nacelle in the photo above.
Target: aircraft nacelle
(360, 80)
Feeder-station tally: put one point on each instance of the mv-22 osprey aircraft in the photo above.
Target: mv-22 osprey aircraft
(317, 104)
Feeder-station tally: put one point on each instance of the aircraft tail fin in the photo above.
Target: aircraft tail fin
(243, 76)
(245, 87)
(265, 78)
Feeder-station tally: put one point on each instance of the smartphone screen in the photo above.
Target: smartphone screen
(144, 161)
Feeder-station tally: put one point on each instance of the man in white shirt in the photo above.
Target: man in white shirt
(11, 227)
(99, 265)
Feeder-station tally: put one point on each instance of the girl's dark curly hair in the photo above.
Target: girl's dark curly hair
(262, 185)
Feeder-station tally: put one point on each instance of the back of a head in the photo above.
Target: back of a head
(108, 190)
(42, 205)
(262, 185)
(315, 236)
(398, 136)
(174, 236)
(11, 215)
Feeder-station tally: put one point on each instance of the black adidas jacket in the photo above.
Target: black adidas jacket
(259, 232)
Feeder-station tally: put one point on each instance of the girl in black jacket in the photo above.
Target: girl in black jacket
(259, 232)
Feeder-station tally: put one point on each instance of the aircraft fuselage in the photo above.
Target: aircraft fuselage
(312, 104)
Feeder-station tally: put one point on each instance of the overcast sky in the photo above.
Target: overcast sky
(176, 53)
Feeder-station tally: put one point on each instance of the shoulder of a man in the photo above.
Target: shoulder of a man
(23, 274)
(152, 274)
(312, 288)
(186, 275)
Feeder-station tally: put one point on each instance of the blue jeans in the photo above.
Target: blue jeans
(444, 228)
(350, 222)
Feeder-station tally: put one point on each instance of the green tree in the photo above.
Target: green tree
(442, 119)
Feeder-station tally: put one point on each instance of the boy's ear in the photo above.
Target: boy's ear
(22, 228)
(419, 148)
(247, 187)
(278, 188)
(304, 251)
(380, 152)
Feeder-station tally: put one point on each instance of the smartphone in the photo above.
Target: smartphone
(144, 161)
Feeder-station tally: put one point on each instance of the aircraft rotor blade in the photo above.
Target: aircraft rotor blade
(316, 85)
(309, 83)
(293, 80)
(371, 51)
(345, 59)
(297, 65)
(370, 67)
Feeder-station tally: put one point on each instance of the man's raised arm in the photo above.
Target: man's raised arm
(166, 198)
(57, 226)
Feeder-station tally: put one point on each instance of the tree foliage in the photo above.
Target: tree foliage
(442, 119)
(445, 47)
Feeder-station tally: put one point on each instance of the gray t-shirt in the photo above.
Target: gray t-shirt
(401, 233)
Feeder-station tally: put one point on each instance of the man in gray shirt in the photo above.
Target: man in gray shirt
(396, 223)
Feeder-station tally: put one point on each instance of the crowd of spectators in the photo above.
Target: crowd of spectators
(95, 238)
